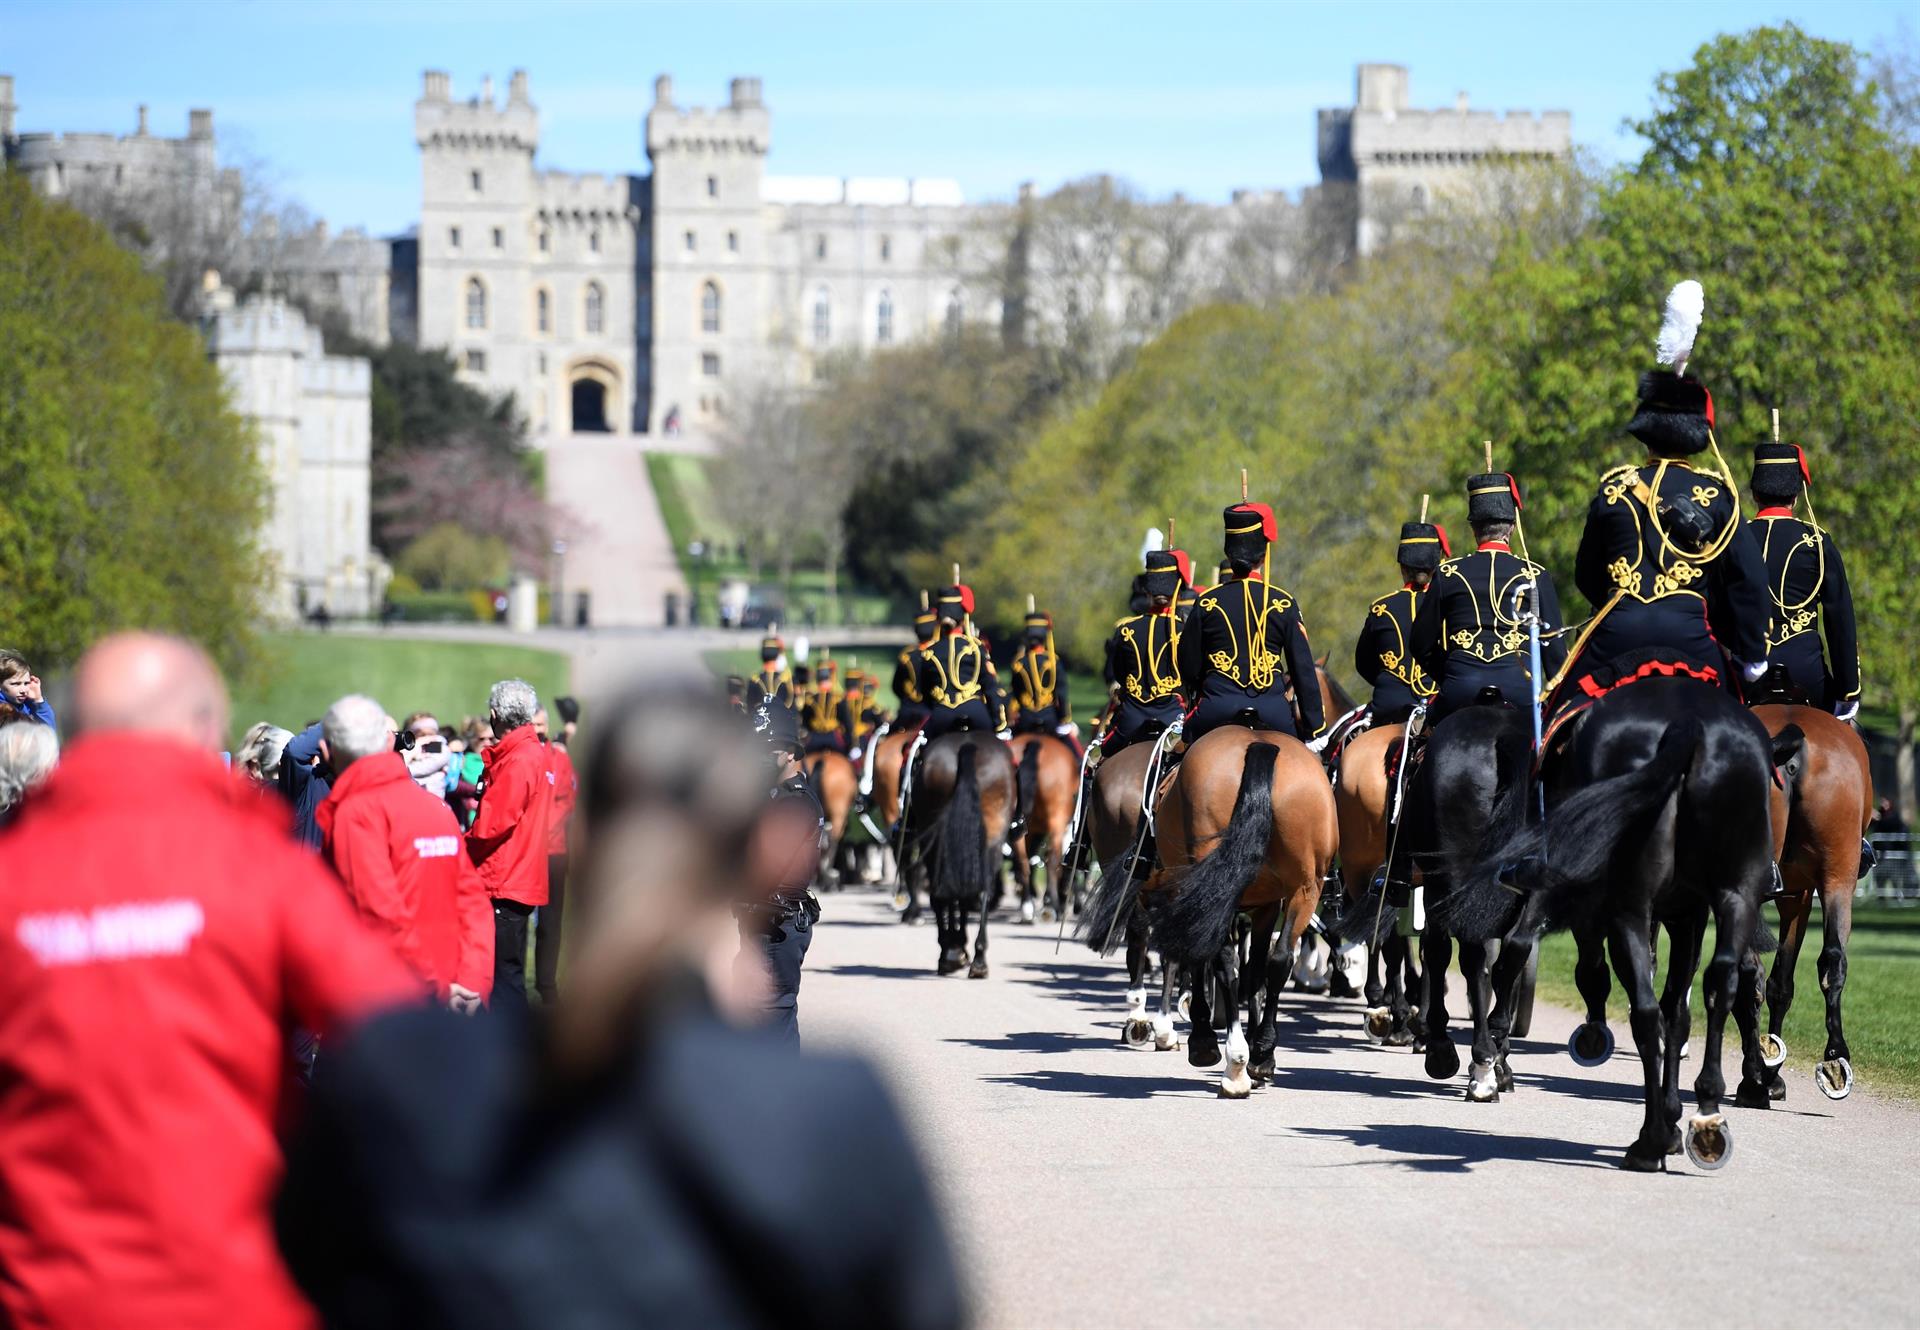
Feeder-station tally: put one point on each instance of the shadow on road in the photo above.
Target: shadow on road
(1040, 1041)
(1095, 1086)
(1433, 1149)
(880, 971)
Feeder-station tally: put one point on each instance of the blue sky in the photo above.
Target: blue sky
(1200, 96)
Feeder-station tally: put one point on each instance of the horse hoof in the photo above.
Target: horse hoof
(1419, 1044)
(1503, 1077)
(910, 915)
(1776, 1086)
(1637, 1160)
(1261, 1070)
(1752, 1094)
(1773, 1050)
(1443, 1059)
(1709, 1141)
(978, 970)
(1202, 1052)
(1590, 1044)
(1481, 1085)
(950, 961)
(1834, 1076)
(1137, 1034)
(1048, 915)
(1398, 1038)
(1379, 1024)
(1686, 1050)
(900, 902)
(1186, 1006)
(1026, 912)
(1236, 1084)
(1165, 1040)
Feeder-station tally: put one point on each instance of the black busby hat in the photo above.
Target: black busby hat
(802, 676)
(956, 602)
(1139, 599)
(1494, 497)
(1779, 472)
(1038, 625)
(775, 722)
(1250, 528)
(1165, 573)
(1423, 545)
(1221, 572)
(1673, 415)
(770, 648)
(926, 623)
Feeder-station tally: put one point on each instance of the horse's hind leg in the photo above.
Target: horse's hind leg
(1477, 966)
(1632, 955)
(1683, 957)
(978, 970)
(1508, 967)
(1164, 1037)
(1261, 981)
(1793, 933)
(1235, 1083)
(1835, 1072)
(1137, 1031)
(1592, 1042)
(1399, 1010)
(1436, 950)
(1203, 1045)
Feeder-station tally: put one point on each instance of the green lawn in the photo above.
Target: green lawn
(1881, 1008)
(302, 673)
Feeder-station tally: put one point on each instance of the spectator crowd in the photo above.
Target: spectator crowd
(268, 1055)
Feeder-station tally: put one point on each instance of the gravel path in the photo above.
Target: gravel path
(1089, 1184)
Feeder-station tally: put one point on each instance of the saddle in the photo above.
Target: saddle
(1777, 687)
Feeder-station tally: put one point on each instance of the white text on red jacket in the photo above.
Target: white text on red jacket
(111, 932)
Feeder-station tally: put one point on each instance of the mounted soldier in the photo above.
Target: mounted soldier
(955, 674)
(773, 681)
(1807, 584)
(1469, 633)
(1143, 673)
(820, 711)
(859, 714)
(1384, 656)
(1675, 575)
(913, 710)
(1038, 704)
(1244, 643)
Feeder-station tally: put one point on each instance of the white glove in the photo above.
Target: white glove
(1067, 730)
(1751, 673)
(1847, 710)
(1004, 735)
(1318, 746)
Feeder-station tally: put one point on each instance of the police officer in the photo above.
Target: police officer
(1664, 549)
(772, 681)
(956, 675)
(1807, 584)
(1383, 656)
(913, 711)
(1037, 704)
(1141, 659)
(820, 711)
(782, 927)
(1244, 643)
(1470, 635)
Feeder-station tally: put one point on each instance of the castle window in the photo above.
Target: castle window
(596, 307)
(593, 242)
(883, 319)
(1419, 198)
(692, 242)
(710, 364)
(733, 242)
(543, 310)
(473, 178)
(476, 303)
(955, 312)
(499, 238)
(453, 237)
(886, 248)
(819, 247)
(713, 186)
(710, 308)
(476, 361)
(822, 317)
(546, 242)
(542, 361)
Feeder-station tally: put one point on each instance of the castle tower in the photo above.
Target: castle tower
(710, 256)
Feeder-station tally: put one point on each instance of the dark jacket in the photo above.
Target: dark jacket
(1466, 636)
(1383, 655)
(429, 1187)
(1808, 591)
(305, 785)
(955, 670)
(1235, 642)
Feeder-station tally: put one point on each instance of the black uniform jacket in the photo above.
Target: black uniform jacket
(954, 670)
(1245, 638)
(1637, 560)
(1036, 682)
(1141, 660)
(431, 1186)
(1384, 654)
(1468, 632)
(1807, 585)
(770, 683)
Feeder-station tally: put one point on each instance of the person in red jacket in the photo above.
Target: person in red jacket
(398, 850)
(566, 788)
(508, 838)
(153, 952)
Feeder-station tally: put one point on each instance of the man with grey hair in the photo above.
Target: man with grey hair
(398, 850)
(508, 838)
(27, 756)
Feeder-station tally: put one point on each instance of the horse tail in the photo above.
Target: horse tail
(1028, 781)
(1114, 896)
(1577, 844)
(816, 784)
(1364, 920)
(960, 835)
(1192, 925)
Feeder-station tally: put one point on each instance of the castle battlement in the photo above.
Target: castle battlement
(439, 121)
(742, 125)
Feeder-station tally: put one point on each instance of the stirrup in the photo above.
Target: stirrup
(1776, 885)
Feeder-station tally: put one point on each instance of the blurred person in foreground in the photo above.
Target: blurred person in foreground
(398, 850)
(28, 752)
(153, 952)
(640, 1161)
(566, 790)
(777, 928)
(303, 780)
(260, 753)
(508, 839)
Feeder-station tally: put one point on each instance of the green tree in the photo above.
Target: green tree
(131, 491)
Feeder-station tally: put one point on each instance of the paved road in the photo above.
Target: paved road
(1090, 1184)
(618, 550)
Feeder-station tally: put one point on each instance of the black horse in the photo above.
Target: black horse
(1657, 816)
(966, 800)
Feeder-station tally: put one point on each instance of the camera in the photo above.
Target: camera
(403, 741)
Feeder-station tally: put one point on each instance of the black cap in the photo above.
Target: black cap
(569, 709)
(1674, 414)
(1249, 529)
(955, 602)
(802, 676)
(775, 722)
(1779, 472)
(1163, 573)
(926, 623)
(1422, 545)
(1494, 497)
(1222, 572)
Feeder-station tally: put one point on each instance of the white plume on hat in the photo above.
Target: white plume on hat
(1154, 541)
(1686, 303)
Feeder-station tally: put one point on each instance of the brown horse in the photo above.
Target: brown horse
(1113, 828)
(884, 804)
(1361, 793)
(1248, 823)
(1827, 806)
(835, 783)
(964, 803)
(1057, 784)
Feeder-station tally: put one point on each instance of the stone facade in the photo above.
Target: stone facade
(314, 417)
(1404, 160)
